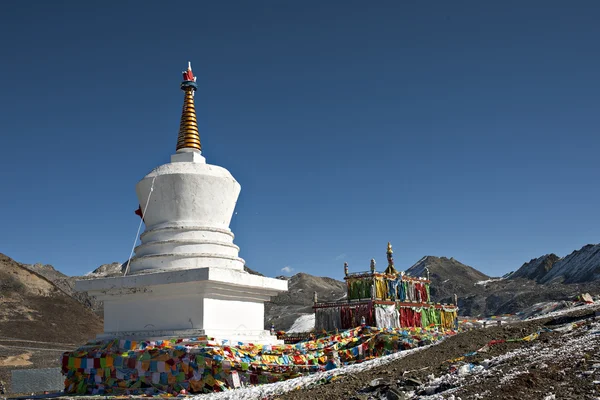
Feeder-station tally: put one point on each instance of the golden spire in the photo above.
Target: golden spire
(189, 137)
(390, 268)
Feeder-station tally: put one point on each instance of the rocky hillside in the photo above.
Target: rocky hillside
(544, 279)
(448, 277)
(286, 307)
(536, 269)
(580, 266)
(559, 364)
(34, 308)
(65, 283)
(509, 296)
(106, 271)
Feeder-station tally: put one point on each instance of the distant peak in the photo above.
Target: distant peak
(445, 267)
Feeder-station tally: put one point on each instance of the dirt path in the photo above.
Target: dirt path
(33, 348)
(10, 339)
(22, 360)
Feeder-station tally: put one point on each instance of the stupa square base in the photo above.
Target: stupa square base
(188, 155)
(220, 303)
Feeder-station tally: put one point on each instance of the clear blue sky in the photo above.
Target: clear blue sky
(466, 129)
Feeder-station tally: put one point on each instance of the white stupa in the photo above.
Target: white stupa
(186, 278)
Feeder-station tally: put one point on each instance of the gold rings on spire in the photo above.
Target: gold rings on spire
(188, 137)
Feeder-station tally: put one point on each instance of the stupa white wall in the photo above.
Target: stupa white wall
(186, 278)
(187, 218)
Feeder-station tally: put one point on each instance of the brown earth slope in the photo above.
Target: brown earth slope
(66, 284)
(38, 320)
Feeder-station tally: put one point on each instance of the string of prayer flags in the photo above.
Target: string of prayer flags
(202, 365)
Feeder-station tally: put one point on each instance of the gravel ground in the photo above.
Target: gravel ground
(560, 364)
(27, 354)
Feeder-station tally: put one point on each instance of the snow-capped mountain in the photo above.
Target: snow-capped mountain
(580, 266)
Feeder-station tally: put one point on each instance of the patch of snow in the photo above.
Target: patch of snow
(488, 281)
(421, 260)
(304, 323)
(509, 377)
(418, 268)
(564, 311)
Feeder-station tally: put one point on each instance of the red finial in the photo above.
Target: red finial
(189, 75)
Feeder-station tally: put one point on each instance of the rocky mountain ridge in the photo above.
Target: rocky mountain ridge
(536, 268)
(67, 283)
(580, 266)
(546, 278)
(33, 306)
(478, 294)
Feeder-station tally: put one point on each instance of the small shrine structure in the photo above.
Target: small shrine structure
(388, 299)
(186, 278)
